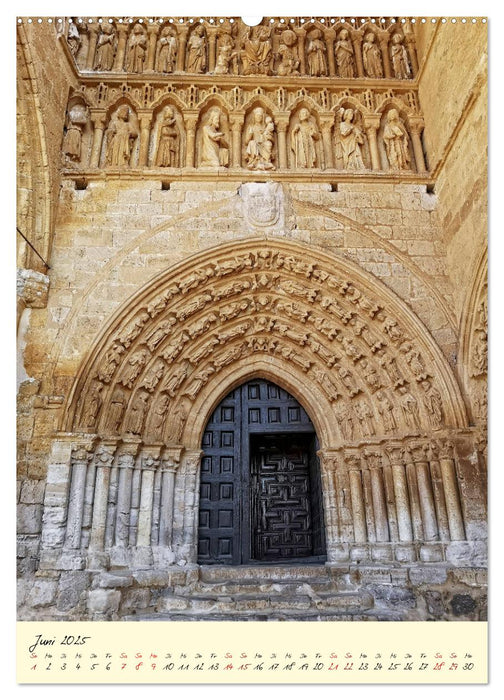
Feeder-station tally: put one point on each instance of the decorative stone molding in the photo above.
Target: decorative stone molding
(32, 288)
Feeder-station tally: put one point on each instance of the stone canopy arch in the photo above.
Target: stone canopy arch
(368, 363)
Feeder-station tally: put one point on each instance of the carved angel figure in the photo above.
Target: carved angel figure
(371, 57)
(316, 52)
(105, 48)
(350, 140)
(399, 55)
(166, 50)
(303, 141)
(396, 140)
(121, 135)
(196, 51)
(214, 147)
(168, 150)
(137, 50)
(343, 51)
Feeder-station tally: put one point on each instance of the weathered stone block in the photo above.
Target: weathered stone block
(421, 575)
(462, 604)
(42, 593)
(29, 518)
(103, 602)
(431, 552)
(113, 580)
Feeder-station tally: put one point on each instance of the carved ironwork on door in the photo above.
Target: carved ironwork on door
(260, 494)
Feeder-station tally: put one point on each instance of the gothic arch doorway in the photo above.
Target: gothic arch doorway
(260, 491)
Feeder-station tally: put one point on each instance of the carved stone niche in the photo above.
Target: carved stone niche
(305, 149)
(399, 59)
(121, 138)
(167, 146)
(316, 53)
(372, 58)
(394, 141)
(259, 140)
(77, 135)
(351, 145)
(213, 140)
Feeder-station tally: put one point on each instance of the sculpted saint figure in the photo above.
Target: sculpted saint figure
(371, 56)
(316, 52)
(344, 55)
(434, 405)
(350, 141)
(409, 407)
(214, 147)
(303, 141)
(72, 143)
(176, 423)
(159, 415)
(121, 135)
(289, 61)
(73, 38)
(395, 137)
(92, 405)
(225, 54)
(166, 50)
(105, 48)
(256, 55)
(137, 413)
(386, 411)
(196, 51)
(168, 151)
(137, 50)
(116, 410)
(259, 141)
(399, 55)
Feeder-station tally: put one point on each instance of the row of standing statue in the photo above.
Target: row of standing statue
(258, 139)
(252, 53)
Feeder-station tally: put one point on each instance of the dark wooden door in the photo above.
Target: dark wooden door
(260, 495)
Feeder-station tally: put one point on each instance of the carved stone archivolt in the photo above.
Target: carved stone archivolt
(328, 96)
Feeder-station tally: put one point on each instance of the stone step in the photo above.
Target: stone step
(231, 588)
(262, 574)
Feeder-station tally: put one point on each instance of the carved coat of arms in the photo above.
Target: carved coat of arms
(262, 203)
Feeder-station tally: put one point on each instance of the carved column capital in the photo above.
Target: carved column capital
(191, 119)
(419, 452)
(282, 122)
(151, 451)
(236, 120)
(153, 29)
(327, 120)
(104, 454)
(415, 124)
(353, 461)
(128, 452)
(82, 453)
(371, 121)
(172, 455)
(446, 450)
(374, 459)
(395, 453)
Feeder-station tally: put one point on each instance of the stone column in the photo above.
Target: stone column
(358, 510)
(81, 455)
(394, 453)
(438, 491)
(126, 464)
(416, 125)
(152, 33)
(169, 463)
(182, 41)
(357, 45)
(212, 41)
(343, 500)
(236, 120)
(98, 120)
(449, 476)
(374, 462)
(388, 484)
(104, 458)
(372, 125)
(326, 124)
(301, 34)
(92, 41)
(409, 40)
(383, 38)
(327, 470)
(190, 120)
(122, 31)
(427, 507)
(54, 516)
(145, 125)
(414, 496)
(330, 35)
(188, 516)
(150, 463)
(282, 123)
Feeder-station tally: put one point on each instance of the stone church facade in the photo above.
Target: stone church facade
(252, 319)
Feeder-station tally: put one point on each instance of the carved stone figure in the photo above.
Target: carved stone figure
(168, 150)
(433, 404)
(415, 361)
(214, 147)
(196, 51)
(159, 415)
(349, 382)
(134, 366)
(105, 48)
(371, 57)
(92, 405)
(74, 39)
(343, 51)
(137, 50)
(259, 141)
(304, 137)
(365, 415)
(386, 411)
(121, 135)
(198, 382)
(166, 50)
(133, 329)
(345, 421)
(159, 333)
(153, 375)
(328, 386)
(137, 413)
(349, 141)
(72, 143)
(176, 422)
(225, 54)
(409, 407)
(399, 55)
(370, 375)
(289, 61)
(110, 362)
(176, 378)
(256, 54)
(396, 139)
(392, 329)
(316, 53)
(116, 410)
